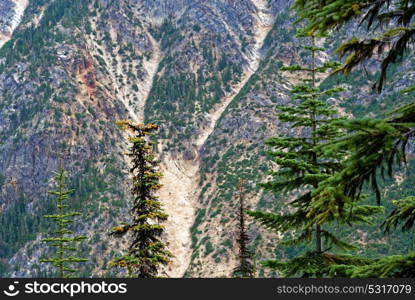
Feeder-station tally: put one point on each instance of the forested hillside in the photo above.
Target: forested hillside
(210, 75)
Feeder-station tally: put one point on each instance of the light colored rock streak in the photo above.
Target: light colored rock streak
(19, 9)
(181, 178)
(151, 67)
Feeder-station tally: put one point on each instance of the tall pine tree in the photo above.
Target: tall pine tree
(245, 268)
(64, 239)
(375, 145)
(147, 252)
(302, 166)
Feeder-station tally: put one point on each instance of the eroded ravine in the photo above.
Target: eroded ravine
(181, 178)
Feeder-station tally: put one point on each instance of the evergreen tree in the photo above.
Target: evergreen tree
(146, 251)
(302, 167)
(394, 266)
(64, 239)
(245, 269)
(374, 144)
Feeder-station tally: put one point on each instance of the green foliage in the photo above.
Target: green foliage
(187, 95)
(33, 39)
(396, 266)
(146, 251)
(199, 217)
(404, 212)
(64, 239)
(4, 268)
(22, 220)
(394, 39)
(18, 226)
(2, 180)
(208, 248)
(376, 146)
(301, 163)
(313, 264)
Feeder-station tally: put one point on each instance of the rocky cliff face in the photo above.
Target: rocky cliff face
(205, 71)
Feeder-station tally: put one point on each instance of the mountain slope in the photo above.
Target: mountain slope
(205, 71)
